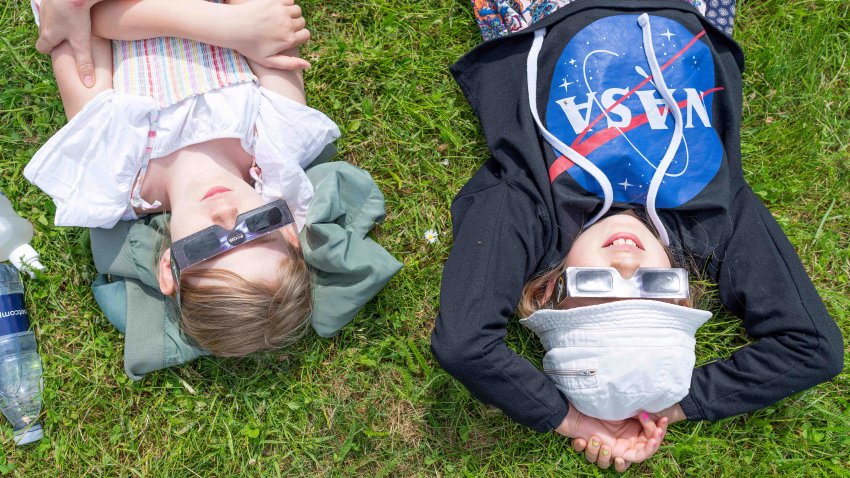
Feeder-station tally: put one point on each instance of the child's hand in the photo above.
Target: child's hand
(265, 28)
(68, 20)
(622, 442)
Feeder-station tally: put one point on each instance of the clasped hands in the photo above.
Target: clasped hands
(260, 30)
(621, 442)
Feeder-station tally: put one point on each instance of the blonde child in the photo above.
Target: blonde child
(191, 111)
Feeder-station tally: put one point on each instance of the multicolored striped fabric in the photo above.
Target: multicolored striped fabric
(170, 70)
(173, 69)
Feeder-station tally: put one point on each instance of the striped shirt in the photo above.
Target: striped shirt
(170, 69)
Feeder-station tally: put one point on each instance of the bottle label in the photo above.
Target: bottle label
(13, 314)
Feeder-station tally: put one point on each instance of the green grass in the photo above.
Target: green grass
(373, 401)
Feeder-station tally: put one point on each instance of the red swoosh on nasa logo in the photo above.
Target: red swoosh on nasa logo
(639, 86)
(563, 163)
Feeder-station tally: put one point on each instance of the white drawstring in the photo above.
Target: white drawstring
(584, 163)
(570, 153)
(661, 86)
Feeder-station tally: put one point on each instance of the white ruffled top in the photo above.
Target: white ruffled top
(90, 166)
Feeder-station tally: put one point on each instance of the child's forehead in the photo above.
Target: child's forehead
(258, 260)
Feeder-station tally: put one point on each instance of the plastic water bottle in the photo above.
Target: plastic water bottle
(20, 364)
(15, 235)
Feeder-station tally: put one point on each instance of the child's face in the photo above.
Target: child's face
(220, 202)
(621, 241)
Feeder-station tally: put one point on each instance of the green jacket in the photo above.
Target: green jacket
(349, 268)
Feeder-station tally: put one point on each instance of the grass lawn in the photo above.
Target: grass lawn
(372, 401)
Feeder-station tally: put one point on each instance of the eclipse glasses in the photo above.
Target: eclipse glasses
(214, 240)
(606, 282)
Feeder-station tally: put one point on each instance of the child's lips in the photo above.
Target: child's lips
(216, 190)
(623, 240)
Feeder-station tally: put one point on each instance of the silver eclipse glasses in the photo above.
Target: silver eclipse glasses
(606, 282)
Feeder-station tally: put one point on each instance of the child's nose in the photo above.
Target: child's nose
(225, 216)
(626, 266)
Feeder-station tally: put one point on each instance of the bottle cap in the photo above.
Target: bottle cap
(25, 259)
(29, 434)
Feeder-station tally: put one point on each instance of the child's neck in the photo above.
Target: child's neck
(169, 179)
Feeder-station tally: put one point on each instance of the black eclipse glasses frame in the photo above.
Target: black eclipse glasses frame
(216, 240)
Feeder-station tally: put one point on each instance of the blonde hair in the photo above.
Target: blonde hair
(238, 317)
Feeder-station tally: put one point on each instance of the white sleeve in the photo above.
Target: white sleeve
(288, 137)
(89, 166)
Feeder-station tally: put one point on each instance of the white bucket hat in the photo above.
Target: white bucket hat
(615, 360)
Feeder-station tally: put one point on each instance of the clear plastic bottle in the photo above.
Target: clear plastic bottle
(20, 364)
(15, 235)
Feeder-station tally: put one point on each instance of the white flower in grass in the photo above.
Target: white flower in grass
(444, 162)
(431, 236)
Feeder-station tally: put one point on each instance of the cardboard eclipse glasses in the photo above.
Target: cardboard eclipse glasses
(214, 240)
(606, 282)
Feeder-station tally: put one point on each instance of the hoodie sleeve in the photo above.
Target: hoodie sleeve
(796, 343)
(499, 241)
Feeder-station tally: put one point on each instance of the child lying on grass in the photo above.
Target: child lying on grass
(614, 129)
(198, 109)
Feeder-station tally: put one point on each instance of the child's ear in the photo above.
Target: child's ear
(163, 269)
(290, 232)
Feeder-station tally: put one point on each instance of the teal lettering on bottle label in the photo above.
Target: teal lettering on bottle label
(13, 314)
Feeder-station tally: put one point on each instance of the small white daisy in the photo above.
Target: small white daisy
(431, 236)
(444, 162)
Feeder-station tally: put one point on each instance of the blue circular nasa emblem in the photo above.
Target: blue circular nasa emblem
(604, 104)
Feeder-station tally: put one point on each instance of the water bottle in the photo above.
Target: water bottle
(20, 364)
(15, 235)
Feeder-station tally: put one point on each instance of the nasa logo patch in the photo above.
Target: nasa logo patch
(604, 104)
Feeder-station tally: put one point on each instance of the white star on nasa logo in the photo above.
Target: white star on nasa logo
(668, 34)
(566, 84)
(625, 184)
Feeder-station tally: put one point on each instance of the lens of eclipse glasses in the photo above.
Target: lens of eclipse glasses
(661, 282)
(594, 281)
(199, 247)
(264, 220)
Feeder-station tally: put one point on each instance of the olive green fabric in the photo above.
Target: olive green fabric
(349, 268)
(127, 291)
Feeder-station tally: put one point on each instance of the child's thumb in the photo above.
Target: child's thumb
(85, 64)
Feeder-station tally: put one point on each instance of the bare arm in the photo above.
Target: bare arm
(140, 19)
(74, 93)
(288, 83)
(68, 21)
(260, 30)
(65, 31)
(271, 23)
(286, 79)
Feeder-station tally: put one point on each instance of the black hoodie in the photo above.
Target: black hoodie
(598, 97)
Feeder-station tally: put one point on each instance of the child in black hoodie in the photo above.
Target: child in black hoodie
(600, 108)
